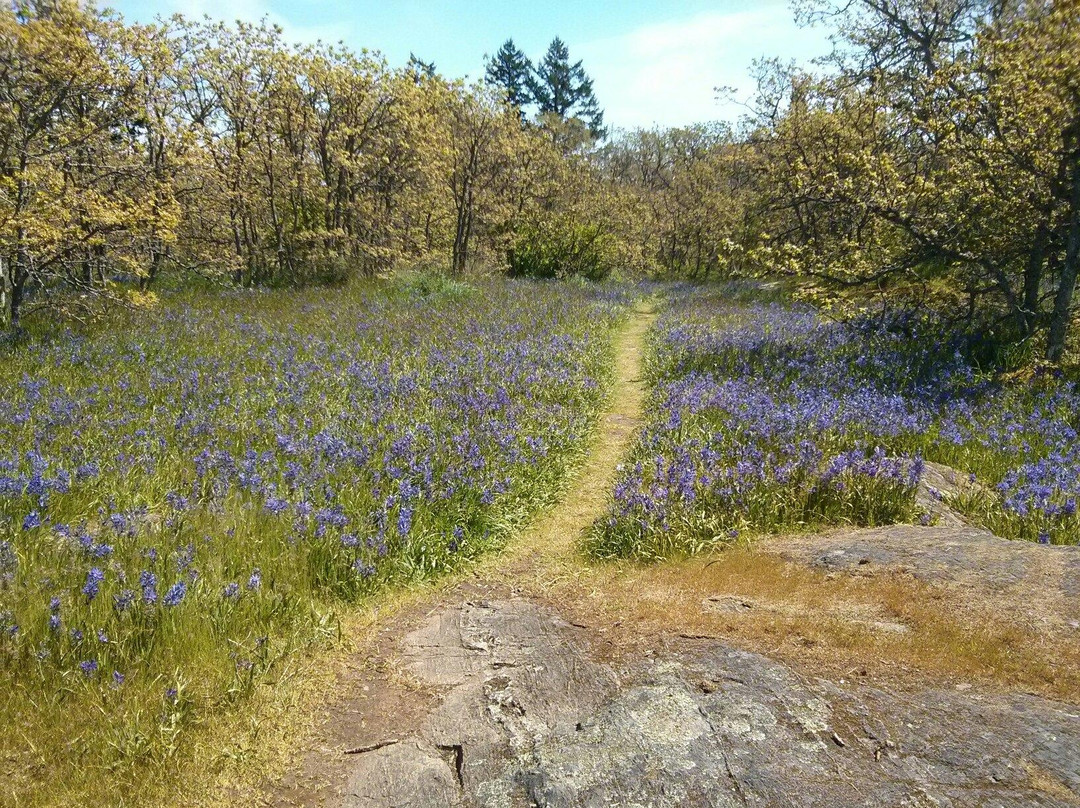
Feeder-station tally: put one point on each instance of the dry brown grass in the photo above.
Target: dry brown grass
(835, 624)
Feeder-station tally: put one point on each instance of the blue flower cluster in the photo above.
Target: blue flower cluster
(196, 477)
(768, 417)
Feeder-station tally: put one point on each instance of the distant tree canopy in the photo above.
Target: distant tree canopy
(422, 69)
(196, 148)
(939, 159)
(935, 162)
(565, 89)
(556, 86)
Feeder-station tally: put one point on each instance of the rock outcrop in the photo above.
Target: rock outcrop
(528, 718)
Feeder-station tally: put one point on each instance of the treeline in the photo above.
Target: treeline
(936, 159)
(933, 158)
(222, 150)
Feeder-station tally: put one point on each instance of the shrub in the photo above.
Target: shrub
(334, 270)
(560, 248)
(433, 285)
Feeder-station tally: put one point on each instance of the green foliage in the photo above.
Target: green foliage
(420, 69)
(198, 148)
(560, 247)
(691, 189)
(432, 284)
(565, 89)
(333, 270)
(511, 70)
(938, 161)
(947, 136)
(557, 88)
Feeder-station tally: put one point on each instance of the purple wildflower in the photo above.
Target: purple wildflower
(175, 595)
(93, 581)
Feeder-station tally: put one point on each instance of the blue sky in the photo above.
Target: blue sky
(653, 61)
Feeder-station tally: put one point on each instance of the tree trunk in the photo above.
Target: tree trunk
(15, 308)
(1033, 274)
(6, 295)
(461, 243)
(1059, 324)
(18, 274)
(87, 278)
(157, 258)
(460, 253)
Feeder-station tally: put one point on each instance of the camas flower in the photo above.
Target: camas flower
(363, 569)
(175, 595)
(148, 584)
(123, 601)
(93, 581)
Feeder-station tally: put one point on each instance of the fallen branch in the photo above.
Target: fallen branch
(371, 748)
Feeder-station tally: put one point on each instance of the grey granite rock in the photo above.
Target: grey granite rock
(928, 553)
(403, 775)
(529, 719)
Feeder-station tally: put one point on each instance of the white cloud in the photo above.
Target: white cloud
(252, 11)
(666, 73)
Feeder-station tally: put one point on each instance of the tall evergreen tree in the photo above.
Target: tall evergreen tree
(419, 68)
(511, 70)
(566, 89)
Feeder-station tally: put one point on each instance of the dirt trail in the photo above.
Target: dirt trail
(755, 677)
(552, 536)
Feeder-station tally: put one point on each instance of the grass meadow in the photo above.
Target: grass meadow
(767, 417)
(192, 495)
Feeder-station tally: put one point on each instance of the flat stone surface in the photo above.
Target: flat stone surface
(927, 553)
(1032, 585)
(1070, 580)
(402, 775)
(529, 719)
(931, 554)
